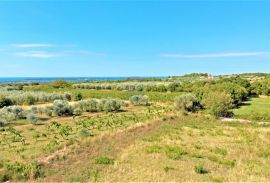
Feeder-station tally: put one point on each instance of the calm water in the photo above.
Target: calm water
(70, 79)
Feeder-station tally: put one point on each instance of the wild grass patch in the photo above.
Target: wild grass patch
(103, 160)
(174, 152)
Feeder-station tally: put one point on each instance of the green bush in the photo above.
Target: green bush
(175, 153)
(187, 102)
(200, 169)
(30, 100)
(104, 160)
(62, 108)
(20, 171)
(78, 97)
(218, 104)
(139, 100)
(60, 84)
(4, 101)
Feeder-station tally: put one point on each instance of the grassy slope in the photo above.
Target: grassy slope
(256, 109)
(168, 150)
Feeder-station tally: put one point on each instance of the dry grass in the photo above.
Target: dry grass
(169, 150)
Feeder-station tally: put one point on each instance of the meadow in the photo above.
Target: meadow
(56, 132)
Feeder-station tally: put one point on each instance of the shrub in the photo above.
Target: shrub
(84, 132)
(4, 101)
(139, 100)
(31, 117)
(60, 84)
(61, 108)
(78, 97)
(77, 111)
(104, 160)
(16, 111)
(187, 102)
(19, 171)
(218, 104)
(30, 100)
(68, 96)
(200, 169)
(111, 105)
(175, 153)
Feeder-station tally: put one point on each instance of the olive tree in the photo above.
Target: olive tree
(187, 102)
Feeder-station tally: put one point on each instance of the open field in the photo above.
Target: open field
(169, 150)
(61, 133)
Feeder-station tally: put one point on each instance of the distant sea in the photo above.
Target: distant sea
(69, 79)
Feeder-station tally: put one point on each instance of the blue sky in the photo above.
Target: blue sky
(133, 38)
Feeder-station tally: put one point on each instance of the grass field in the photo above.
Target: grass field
(255, 109)
(183, 148)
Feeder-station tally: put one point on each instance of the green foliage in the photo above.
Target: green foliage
(4, 101)
(139, 100)
(261, 87)
(187, 102)
(62, 108)
(78, 97)
(84, 132)
(30, 100)
(153, 149)
(218, 104)
(20, 171)
(60, 84)
(174, 153)
(200, 169)
(104, 160)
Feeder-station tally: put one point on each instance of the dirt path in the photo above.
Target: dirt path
(242, 121)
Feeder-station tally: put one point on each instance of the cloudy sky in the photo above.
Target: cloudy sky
(133, 38)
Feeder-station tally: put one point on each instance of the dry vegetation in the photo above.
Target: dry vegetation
(126, 135)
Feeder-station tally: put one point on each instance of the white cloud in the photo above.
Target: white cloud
(39, 54)
(34, 45)
(217, 55)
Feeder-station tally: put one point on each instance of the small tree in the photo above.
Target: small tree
(187, 102)
(139, 100)
(61, 108)
(218, 104)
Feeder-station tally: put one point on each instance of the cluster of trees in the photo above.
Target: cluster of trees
(12, 113)
(8, 98)
(261, 87)
(215, 103)
(63, 108)
(216, 97)
(131, 86)
(238, 87)
(59, 108)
